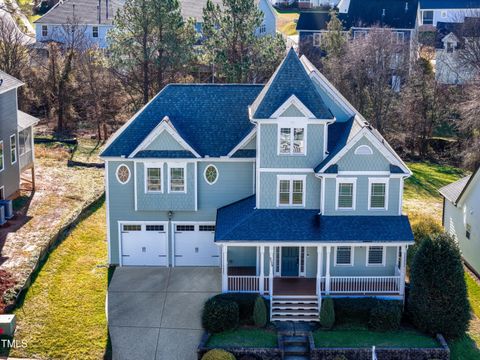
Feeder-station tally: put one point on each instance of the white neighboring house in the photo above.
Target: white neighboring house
(431, 12)
(93, 17)
(461, 216)
(451, 40)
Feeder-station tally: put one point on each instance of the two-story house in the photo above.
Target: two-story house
(16, 138)
(461, 216)
(94, 18)
(358, 17)
(285, 186)
(431, 12)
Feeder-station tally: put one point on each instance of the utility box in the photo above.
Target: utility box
(7, 325)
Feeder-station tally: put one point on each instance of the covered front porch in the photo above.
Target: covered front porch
(292, 269)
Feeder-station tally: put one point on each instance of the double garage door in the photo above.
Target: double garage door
(147, 245)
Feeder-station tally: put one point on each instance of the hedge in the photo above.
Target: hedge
(220, 315)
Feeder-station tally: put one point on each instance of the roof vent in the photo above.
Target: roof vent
(383, 12)
(406, 6)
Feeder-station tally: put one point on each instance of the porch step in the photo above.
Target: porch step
(295, 340)
(296, 347)
(295, 308)
(298, 312)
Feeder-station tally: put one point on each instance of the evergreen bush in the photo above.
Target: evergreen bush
(260, 312)
(327, 313)
(218, 354)
(386, 315)
(220, 315)
(438, 301)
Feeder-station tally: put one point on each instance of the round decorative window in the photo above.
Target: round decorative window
(123, 174)
(211, 174)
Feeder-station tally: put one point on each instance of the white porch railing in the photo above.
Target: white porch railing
(242, 283)
(363, 284)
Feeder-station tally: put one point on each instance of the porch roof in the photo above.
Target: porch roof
(241, 221)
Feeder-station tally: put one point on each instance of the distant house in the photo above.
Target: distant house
(194, 9)
(358, 18)
(451, 41)
(431, 12)
(93, 17)
(16, 138)
(461, 216)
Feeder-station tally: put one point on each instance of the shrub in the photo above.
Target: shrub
(438, 300)
(260, 312)
(426, 228)
(353, 310)
(327, 313)
(219, 315)
(245, 302)
(218, 354)
(386, 315)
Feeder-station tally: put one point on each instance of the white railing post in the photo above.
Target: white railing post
(327, 271)
(319, 270)
(224, 268)
(270, 272)
(261, 284)
(403, 270)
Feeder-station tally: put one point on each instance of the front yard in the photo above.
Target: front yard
(244, 337)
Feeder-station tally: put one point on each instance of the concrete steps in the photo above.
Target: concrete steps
(295, 308)
(296, 347)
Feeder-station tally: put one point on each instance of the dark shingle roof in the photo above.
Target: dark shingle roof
(454, 191)
(469, 28)
(241, 221)
(449, 4)
(194, 8)
(171, 154)
(312, 20)
(8, 82)
(84, 11)
(211, 118)
(289, 79)
(245, 153)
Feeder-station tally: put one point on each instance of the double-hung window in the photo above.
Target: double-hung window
(13, 149)
(400, 37)
(177, 179)
(346, 189)
(44, 30)
(343, 255)
(427, 17)
(95, 31)
(154, 179)
(317, 39)
(375, 256)
(468, 231)
(291, 190)
(292, 141)
(378, 194)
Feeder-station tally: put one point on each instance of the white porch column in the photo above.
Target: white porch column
(327, 271)
(403, 269)
(270, 271)
(261, 285)
(224, 268)
(319, 269)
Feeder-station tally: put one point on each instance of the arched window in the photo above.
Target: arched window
(363, 150)
(123, 174)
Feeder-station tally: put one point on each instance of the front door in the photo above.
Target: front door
(289, 261)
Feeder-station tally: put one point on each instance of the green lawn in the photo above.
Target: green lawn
(63, 313)
(244, 337)
(365, 338)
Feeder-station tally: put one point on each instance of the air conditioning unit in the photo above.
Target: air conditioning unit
(8, 207)
(2, 216)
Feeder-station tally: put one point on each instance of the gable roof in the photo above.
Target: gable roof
(289, 79)
(8, 82)
(453, 192)
(194, 8)
(241, 221)
(449, 4)
(84, 11)
(313, 20)
(469, 28)
(211, 118)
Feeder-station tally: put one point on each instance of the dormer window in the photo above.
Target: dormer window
(450, 46)
(292, 141)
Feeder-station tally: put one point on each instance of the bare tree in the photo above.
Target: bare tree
(14, 55)
(470, 125)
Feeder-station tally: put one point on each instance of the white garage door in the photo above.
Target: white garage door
(144, 244)
(194, 245)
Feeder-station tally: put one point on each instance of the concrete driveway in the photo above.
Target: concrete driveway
(155, 313)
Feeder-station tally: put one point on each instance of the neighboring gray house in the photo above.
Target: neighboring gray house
(461, 216)
(452, 41)
(285, 186)
(194, 9)
(16, 138)
(431, 12)
(93, 17)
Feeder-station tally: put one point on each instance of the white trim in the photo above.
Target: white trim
(371, 181)
(285, 170)
(257, 167)
(175, 165)
(304, 272)
(352, 254)
(107, 205)
(244, 142)
(379, 173)
(325, 140)
(153, 165)
(292, 100)
(363, 148)
(195, 168)
(2, 189)
(16, 152)
(278, 260)
(3, 156)
(294, 120)
(205, 159)
(120, 223)
(359, 243)
(384, 254)
(164, 125)
(291, 178)
(116, 173)
(194, 223)
(292, 139)
(135, 186)
(322, 200)
(340, 180)
(205, 174)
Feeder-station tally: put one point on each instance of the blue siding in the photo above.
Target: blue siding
(374, 162)
(57, 33)
(164, 141)
(269, 148)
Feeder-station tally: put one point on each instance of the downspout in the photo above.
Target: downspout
(170, 239)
